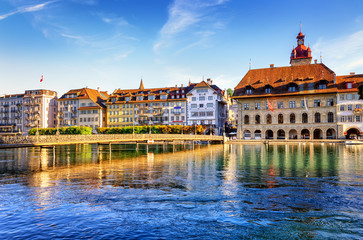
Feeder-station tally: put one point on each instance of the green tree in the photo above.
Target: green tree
(230, 92)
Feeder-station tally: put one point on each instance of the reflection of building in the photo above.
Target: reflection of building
(40, 109)
(207, 105)
(349, 107)
(83, 107)
(298, 101)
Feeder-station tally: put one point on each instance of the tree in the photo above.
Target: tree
(360, 91)
(230, 92)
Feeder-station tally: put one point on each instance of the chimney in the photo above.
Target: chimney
(98, 89)
(315, 61)
(352, 73)
(272, 65)
(176, 86)
(182, 86)
(209, 81)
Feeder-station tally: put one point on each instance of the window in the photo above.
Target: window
(292, 88)
(246, 119)
(304, 103)
(257, 106)
(342, 118)
(357, 118)
(350, 118)
(201, 114)
(349, 85)
(292, 104)
(350, 107)
(349, 96)
(172, 118)
(202, 98)
(292, 118)
(257, 119)
(209, 105)
(322, 86)
(342, 108)
(280, 118)
(249, 91)
(317, 117)
(304, 118)
(317, 103)
(210, 97)
(280, 104)
(194, 114)
(246, 106)
(341, 97)
(268, 90)
(201, 105)
(210, 114)
(330, 117)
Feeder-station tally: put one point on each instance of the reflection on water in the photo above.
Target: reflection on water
(222, 191)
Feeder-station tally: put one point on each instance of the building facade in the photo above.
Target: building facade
(154, 106)
(349, 107)
(83, 107)
(293, 102)
(40, 109)
(11, 113)
(207, 106)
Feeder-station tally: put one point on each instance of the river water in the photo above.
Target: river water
(301, 191)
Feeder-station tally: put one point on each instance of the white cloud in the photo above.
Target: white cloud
(185, 15)
(343, 54)
(26, 9)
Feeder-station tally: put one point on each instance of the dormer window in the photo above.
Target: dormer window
(183, 91)
(127, 99)
(349, 85)
(151, 97)
(177, 91)
(267, 90)
(322, 86)
(248, 90)
(172, 97)
(139, 98)
(160, 91)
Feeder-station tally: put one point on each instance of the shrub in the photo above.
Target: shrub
(62, 130)
(156, 129)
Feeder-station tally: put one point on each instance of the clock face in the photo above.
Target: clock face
(300, 42)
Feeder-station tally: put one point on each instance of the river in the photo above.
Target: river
(237, 191)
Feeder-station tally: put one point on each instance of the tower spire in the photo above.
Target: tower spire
(141, 85)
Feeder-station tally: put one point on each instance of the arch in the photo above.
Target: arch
(330, 133)
(258, 134)
(292, 118)
(268, 119)
(317, 117)
(247, 134)
(305, 134)
(352, 133)
(269, 134)
(318, 134)
(247, 119)
(280, 134)
(257, 119)
(304, 118)
(280, 118)
(330, 117)
(209, 131)
(292, 134)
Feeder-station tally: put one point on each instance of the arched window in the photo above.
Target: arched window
(268, 119)
(330, 117)
(280, 118)
(257, 119)
(247, 119)
(292, 118)
(304, 118)
(317, 117)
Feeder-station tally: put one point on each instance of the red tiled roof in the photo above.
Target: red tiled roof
(303, 77)
(356, 79)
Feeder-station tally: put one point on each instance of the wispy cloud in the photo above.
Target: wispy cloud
(185, 15)
(342, 54)
(26, 9)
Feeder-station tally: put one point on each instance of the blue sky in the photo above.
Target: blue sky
(114, 43)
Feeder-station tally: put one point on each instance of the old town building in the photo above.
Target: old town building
(207, 106)
(40, 109)
(147, 106)
(293, 102)
(11, 113)
(349, 107)
(83, 107)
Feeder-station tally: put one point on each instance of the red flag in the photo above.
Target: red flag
(41, 79)
(269, 105)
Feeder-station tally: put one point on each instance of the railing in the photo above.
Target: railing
(98, 138)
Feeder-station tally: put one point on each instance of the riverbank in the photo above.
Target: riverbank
(282, 141)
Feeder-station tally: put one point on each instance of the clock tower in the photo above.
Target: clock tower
(301, 55)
